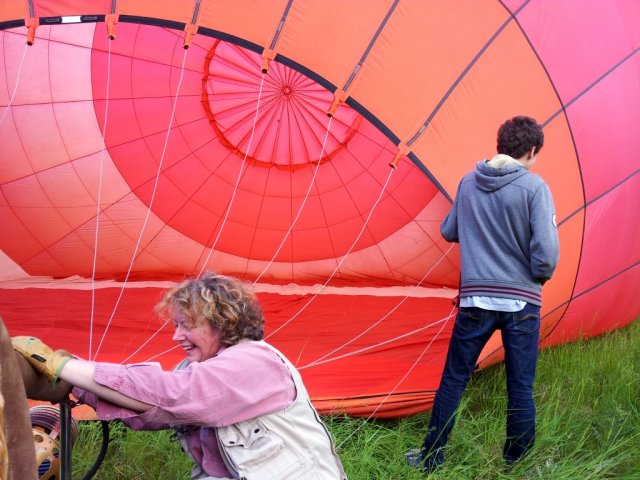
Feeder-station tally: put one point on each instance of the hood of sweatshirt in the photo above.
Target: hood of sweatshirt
(492, 175)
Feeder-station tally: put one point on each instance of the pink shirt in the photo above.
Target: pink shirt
(241, 382)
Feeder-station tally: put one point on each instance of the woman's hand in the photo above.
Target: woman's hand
(77, 372)
(46, 361)
(38, 387)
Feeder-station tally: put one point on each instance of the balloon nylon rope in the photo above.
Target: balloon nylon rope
(147, 342)
(99, 200)
(153, 194)
(322, 360)
(161, 353)
(304, 201)
(235, 188)
(242, 164)
(376, 345)
(344, 257)
(404, 377)
(15, 88)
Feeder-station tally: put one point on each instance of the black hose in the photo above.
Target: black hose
(102, 453)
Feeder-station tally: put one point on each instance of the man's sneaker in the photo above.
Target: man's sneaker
(414, 458)
(417, 458)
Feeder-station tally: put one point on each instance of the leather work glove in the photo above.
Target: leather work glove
(38, 387)
(41, 356)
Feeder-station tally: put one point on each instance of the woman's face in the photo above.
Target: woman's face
(199, 343)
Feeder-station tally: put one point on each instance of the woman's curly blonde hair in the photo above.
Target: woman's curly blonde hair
(226, 303)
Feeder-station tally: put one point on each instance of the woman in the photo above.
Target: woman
(239, 407)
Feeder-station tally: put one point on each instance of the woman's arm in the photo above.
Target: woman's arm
(80, 374)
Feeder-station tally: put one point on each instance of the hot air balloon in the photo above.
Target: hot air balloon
(312, 149)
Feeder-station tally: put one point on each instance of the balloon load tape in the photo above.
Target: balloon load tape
(46, 426)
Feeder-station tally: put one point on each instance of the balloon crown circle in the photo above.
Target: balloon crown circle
(253, 116)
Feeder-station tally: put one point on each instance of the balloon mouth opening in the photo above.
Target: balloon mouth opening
(252, 112)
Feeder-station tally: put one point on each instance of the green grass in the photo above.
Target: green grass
(588, 399)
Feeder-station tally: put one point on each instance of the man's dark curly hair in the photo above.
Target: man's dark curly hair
(226, 303)
(519, 135)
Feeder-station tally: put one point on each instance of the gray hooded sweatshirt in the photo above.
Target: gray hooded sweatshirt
(504, 219)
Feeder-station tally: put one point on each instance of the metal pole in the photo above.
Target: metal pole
(65, 441)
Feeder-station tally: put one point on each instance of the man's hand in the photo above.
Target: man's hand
(41, 356)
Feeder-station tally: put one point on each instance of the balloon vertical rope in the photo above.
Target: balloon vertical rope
(385, 316)
(15, 88)
(99, 201)
(342, 260)
(153, 195)
(235, 188)
(304, 201)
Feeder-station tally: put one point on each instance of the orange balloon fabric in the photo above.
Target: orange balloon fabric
(310, 148)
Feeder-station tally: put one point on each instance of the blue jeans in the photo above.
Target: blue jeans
(473, 328)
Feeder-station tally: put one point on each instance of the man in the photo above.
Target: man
(504, 219)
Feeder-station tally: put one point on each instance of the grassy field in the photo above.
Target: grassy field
(588, 398)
